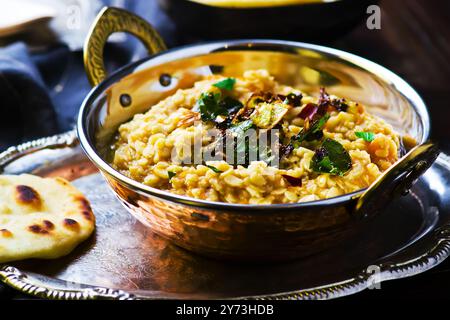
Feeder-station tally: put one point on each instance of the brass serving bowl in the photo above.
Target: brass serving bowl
(237, 231)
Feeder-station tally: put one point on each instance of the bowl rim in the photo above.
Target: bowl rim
(192, 50)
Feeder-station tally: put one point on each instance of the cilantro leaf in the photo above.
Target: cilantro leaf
(226, 84)
(214, 169)
(331, 157)
(366, 136)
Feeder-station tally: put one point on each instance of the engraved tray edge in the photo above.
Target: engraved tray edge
(44, 287)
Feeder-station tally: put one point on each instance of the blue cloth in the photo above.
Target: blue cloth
(26, 108)
(41, 93)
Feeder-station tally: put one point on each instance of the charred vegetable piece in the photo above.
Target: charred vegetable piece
(226, 84)
(366, 136)
(267, 115)
(293, 181)
(339, 104)
(331, 157)
(325, 102)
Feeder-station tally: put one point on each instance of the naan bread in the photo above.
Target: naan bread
(41, 217)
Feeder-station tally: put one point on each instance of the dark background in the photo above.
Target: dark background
(414, 42)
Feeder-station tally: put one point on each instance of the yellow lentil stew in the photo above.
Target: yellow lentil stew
(326, 146)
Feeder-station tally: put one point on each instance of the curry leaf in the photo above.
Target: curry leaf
(314, 132)
(208, 106)
(366, 136)
(211, 104)
(226, 84)
(331, 157)
(214, 169)
(171, 174)
(231, 105)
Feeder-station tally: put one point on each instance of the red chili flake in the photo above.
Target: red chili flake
(293, 181)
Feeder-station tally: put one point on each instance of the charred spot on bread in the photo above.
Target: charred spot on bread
(6, 233)
(71, 224)
(35, 228)
(45, 228)
(27, 195)
(48, 225)
(84, 204)
(87, 215)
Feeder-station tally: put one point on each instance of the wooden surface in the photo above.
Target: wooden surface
(414, 42)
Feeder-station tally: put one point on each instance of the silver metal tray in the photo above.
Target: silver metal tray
(124, 260)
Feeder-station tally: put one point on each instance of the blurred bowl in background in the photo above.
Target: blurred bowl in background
(281, 19)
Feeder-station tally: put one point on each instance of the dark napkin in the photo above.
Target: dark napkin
(26, 108)
(41, 93)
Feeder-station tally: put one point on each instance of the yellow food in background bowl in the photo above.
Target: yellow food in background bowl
(255, 3)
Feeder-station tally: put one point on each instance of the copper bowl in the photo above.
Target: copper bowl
(238, 231)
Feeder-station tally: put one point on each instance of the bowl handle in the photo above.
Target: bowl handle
(397, 180)
(108, 21)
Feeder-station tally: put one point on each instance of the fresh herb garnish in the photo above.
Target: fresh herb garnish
(211, 105)
(331, 157)
(214, 169)
(171, 174)
(366, 136)
(314, 132)
(226, 84)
